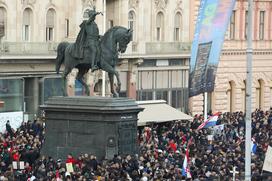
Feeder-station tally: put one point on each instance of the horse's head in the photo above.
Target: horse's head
(123, 40)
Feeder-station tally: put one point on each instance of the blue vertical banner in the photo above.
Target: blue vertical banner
(211, 25)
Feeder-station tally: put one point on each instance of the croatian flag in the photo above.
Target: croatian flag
(185, 167)
(211, 121)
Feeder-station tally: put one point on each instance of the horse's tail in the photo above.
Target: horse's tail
(60, 55)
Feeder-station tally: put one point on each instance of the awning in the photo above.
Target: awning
(158, 111)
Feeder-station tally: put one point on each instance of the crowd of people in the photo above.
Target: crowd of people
(213, 153)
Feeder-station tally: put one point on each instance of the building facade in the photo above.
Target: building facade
(229, 93)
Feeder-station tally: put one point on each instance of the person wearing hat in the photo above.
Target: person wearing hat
(86, 46)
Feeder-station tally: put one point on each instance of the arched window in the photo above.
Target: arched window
(231, 96)
(50, 24)
(260, 94)
(132, 23)
(178, 24)
(159, 26)
(3, 22)
(27, 24)
(210, 101)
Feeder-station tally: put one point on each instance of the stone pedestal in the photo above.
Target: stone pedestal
(101, 126)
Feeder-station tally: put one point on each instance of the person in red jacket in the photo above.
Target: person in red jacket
(172, 145)
(15, 155)
(70, 159)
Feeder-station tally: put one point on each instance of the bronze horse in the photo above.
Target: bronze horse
(114, 41)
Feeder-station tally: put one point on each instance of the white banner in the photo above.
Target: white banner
(268, 160)
(15, 120)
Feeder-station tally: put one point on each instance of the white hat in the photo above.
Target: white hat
(159, 150)
(144, 178)
(67, 173)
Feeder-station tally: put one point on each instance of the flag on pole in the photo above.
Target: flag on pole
(211, 121)
(185, 168)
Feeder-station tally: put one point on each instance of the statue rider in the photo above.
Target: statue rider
(86, 46)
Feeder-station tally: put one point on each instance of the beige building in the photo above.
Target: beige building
(229, 93)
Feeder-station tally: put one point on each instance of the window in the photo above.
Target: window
(176, 98)
(162, 95)
(3, 22)
(177, 62)
(232, 26)
(27, 22)
(67, 28)
(132, 23)
(12, 93)
(49, 86)
(261, 25)
(246, 23)
(177, 30)
(149, 63)
(144, 95)
(159, 26)
(260, 94)
(50, 24)
(110, 23)
(209, 101)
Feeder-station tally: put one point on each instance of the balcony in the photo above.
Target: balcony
(28, 48)
(167, 47)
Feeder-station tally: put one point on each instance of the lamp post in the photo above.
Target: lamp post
(249, 53)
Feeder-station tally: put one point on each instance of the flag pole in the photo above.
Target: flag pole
(249, 53)
(104, 30)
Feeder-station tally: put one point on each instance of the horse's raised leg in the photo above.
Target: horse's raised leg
(80, 74)
(111, 78)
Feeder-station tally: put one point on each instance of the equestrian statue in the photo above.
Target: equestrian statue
(91, 51)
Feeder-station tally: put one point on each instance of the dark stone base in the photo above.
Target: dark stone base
(94, 125)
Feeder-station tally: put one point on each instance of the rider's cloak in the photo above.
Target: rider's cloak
(78, 47)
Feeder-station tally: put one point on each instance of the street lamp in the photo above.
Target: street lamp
(249, 53)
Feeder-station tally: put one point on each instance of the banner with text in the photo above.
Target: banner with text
(211, 25)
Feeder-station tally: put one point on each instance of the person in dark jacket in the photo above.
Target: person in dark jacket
(9, 129)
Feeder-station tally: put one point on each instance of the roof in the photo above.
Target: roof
(158, 111)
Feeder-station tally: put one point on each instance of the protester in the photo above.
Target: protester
(211, 153)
